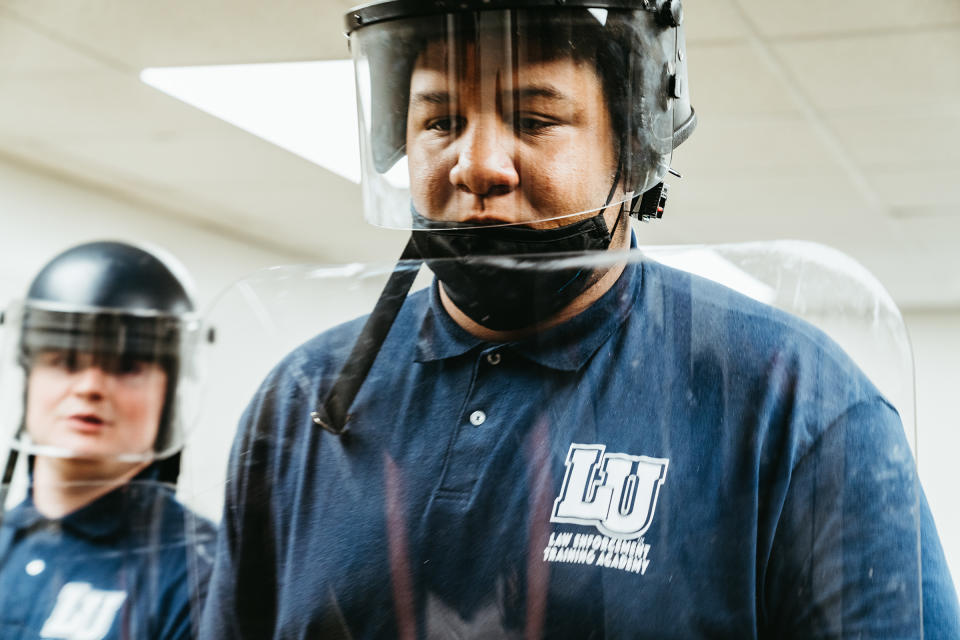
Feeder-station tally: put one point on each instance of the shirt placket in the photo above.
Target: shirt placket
(480, 422)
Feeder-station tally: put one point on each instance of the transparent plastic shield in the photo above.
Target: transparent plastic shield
(491, 116)
(674, 459)
(132, 563)
(97, 383)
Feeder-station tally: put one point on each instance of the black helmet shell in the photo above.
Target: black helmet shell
(110, 275)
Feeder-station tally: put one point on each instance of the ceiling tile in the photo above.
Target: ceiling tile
(918, 190)
(820, 17)
(712, 20)
(905, 142)
(23, 51)
(729, 79)
(763, 146)
(879, 74)
(139, 34)
(813, 205)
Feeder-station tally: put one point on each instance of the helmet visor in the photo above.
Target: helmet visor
(522, 116)
(96, 383)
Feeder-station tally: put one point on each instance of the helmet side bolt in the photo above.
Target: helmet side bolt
(670, 13)
(675, 86)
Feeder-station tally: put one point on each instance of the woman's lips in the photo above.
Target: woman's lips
(86, 422)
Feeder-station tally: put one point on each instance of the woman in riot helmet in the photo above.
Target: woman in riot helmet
(103, 350)
(557, 439)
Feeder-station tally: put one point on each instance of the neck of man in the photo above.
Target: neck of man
(63, 485)
(620, 242)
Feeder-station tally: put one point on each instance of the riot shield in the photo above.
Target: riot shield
(667, 456)
(131, 563)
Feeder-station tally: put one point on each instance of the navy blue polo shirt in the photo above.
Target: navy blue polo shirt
(130, 564)
(676, 461)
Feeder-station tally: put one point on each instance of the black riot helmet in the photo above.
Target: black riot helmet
(114, 306)
(635, 46)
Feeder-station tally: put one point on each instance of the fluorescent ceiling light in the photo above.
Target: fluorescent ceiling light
(600, 15)
(307, 108)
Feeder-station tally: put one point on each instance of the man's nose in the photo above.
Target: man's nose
(486, 161)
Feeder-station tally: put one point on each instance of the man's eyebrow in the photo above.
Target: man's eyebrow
(430, 97)
(533, 91)
(540, 91)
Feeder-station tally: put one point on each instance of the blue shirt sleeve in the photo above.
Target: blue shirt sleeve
(846, 560)
(941, 611)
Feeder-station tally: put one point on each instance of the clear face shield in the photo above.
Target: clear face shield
(675, 459)
(97, 383)
(539, 117)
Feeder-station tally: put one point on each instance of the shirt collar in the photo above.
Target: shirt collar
(440, 337)
(106, 516)
(566, 347)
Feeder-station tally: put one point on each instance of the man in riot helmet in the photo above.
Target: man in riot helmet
(558, 439)
(100, 362)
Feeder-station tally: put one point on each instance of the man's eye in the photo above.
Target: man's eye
(532, 124)
(446, 124)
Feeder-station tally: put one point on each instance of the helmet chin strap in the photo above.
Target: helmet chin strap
(613, 189)
(331, 415)
(9, 467)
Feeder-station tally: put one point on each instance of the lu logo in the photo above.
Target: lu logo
(615, 492)
(82, 612)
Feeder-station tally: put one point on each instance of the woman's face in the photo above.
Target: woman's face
(88, 409)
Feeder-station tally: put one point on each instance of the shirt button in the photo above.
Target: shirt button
(477, 418)
(35, 567)
(493, 358)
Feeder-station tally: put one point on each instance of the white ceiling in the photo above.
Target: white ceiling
(821, 120)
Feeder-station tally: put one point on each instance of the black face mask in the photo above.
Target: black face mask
(516, 289)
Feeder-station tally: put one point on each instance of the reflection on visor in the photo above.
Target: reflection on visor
(72, 361)
(114, 337)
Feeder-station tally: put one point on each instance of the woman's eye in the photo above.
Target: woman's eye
(131, 367)
(59, 359)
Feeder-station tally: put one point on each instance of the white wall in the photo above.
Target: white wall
(41, 215)
(936, 348)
